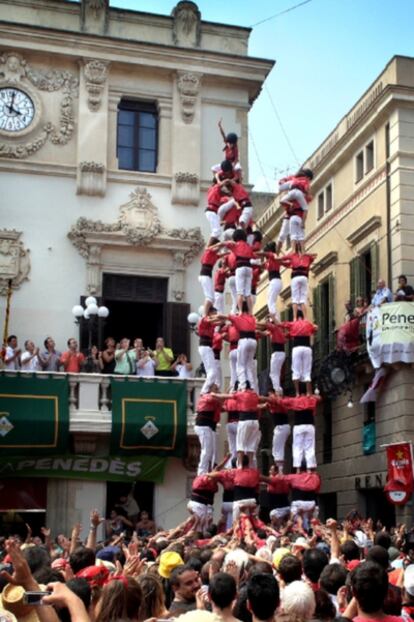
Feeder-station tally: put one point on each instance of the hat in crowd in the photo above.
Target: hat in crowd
(168, 561)
(109, 565)
(353, 564)
(279, 554)
(361, 539)
(94, 575)
(301, 543)
(409, 579)
(11, 600)
(324, 546)
(108, 553)
(393, 553)
(60, 563)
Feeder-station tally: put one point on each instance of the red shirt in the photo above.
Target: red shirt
(273, 263)
(214, 197)
(278, 485)
(276, 405)
(299, 262)
(207, 402)
(309, 482)
(232, 216)
(72, 361)
(277, 334)
(241, 249)
(231, 153)
(301, 183)
(301, 328)
(247, 401)
(205, 328)
(226, 478)
(217, 341)
(230, 261)
(220, 279)
(232, 335)
(247, 477)
(303, 402)
(255, 276)
(244, 323)
(203, 482)
(209, 257)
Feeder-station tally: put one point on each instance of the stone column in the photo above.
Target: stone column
(164, 136)
(92, 128)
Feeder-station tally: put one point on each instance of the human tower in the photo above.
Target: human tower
(234, 258)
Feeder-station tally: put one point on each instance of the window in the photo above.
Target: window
(137, 136)
(324, 317)
(325, 200)
(364, 161)
(364, 273)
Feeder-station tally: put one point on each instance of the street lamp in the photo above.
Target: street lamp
(93, 315)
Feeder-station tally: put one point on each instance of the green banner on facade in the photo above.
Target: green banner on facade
(34, 415)
(149, 417)
(108, 468)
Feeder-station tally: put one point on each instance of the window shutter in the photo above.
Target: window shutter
(331, 312)
(356, 269)
(176, 328)
(317, 318)
(374, 251)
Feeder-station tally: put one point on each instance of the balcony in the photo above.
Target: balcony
(90, 405)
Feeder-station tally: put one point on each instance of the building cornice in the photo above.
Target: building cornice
(368, 227)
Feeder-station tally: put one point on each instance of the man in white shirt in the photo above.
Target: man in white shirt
(12, 358)
(383, 294)
(29, 359)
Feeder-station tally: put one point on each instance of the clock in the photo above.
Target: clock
(17, 110)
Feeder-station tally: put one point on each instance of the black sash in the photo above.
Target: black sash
(244, 492)
(301, 341)
(304, 417)
(303, 495)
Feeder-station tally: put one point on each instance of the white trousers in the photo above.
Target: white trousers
(299, 285)
(203, 514)
(217, 373)
(233, 367)
(227, 511)
(280, 436)
(214, 222)
(233, 293)
(276, 362)
(308, 509)
(275, 285)
(207, 438)
(248, 436)
(207, 356)
(243, 504)
(225, 207)
(231, 429)
(284, 230)
(244, 281)
(303, 445)
(246, 215)
(228, 233)
(302, 363)
(296, 228)
(245, 361)
(294, 194)
(206, 283)
(280, 513)
(219, 301)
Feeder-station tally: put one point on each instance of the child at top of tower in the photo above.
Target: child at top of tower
(298, 187)
(231, 150)
(295, 203)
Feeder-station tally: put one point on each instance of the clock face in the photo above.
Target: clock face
(17, 110)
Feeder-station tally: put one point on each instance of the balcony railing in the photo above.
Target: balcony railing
(90, 405)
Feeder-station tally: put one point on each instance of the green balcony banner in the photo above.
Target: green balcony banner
(149, 417)
(107, 468)
(34, 415)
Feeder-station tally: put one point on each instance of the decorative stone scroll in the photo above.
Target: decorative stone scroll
(96, 73)
(187, 24)
(91, 179)
(14, 260)
(186, 189)
(188, 85)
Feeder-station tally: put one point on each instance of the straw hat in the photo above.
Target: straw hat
(11, 599)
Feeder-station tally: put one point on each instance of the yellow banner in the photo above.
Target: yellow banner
(397, 323)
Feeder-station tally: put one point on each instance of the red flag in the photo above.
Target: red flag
(400, 481)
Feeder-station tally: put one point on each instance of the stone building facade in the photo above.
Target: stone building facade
(360, 225)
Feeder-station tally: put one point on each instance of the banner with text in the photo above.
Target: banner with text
(108, 468)
(149, 417)
(400, 483)
(390, 333)
(34, 415)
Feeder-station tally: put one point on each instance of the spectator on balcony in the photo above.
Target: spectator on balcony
(49, 359)
(138, 344)
(164, 358)
(183, 368)
(30, 359)
(92, 364)
(405, 292)
(125, 358)
(72, 360)
(12, 357)
(145, 363)
(129, 505)
(361, 307)
(107, 356)
(117, 523)
(145, 526)
(382, 294)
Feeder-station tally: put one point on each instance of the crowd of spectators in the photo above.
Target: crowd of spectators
(348, 571)
(114, 358)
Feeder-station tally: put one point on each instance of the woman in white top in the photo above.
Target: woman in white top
(145, 364)
(183, 368)
(29, 360)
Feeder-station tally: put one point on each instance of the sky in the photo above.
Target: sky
(327, 53)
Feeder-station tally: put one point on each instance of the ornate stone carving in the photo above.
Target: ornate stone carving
(94, 268)
(94, 15)
(91, 179)
(139, 218)
(195, 236)
(14, 69)
(96, 73)
(187, 24)
(188, 85)
(186, 189)
(14, 260)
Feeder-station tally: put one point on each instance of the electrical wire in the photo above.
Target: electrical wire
(285, 134)
(292, 8)
(259, 162)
